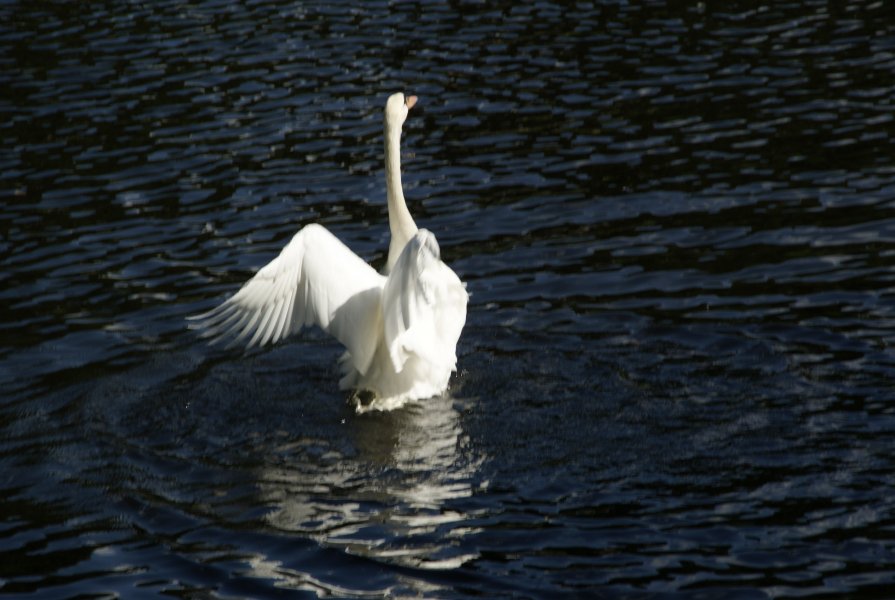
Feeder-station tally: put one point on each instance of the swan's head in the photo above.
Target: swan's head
(396, 109)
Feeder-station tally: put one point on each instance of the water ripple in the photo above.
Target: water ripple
(676, 226)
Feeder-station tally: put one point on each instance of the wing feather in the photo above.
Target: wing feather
(315, 280)
(423, 305)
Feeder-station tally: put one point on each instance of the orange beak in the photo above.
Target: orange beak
(410, 101)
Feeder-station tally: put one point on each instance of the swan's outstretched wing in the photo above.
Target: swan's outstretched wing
(315, 280)
(423, 305)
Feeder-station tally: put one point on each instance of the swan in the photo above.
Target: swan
(400, 327)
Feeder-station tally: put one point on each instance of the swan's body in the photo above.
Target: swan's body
(400, 328)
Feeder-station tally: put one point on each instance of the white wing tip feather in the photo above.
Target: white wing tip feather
(310, 280)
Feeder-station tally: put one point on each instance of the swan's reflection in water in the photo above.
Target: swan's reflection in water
(394, 494)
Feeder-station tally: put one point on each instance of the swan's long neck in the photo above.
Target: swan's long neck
(399, 220)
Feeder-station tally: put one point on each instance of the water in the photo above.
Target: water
(677, 226)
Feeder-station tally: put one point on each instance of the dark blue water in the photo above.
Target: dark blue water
(677, 224)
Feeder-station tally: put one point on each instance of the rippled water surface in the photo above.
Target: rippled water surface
(677, 226)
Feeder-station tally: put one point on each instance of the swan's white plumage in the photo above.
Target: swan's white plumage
(418, 283)
(400, 223)
(400, 329)
(300, 287)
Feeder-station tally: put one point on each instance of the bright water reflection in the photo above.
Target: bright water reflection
(388, 499)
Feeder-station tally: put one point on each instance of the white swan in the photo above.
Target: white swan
(400, 328)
